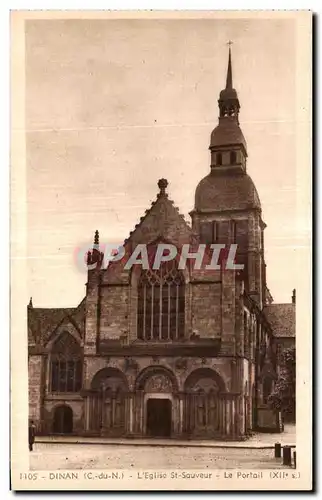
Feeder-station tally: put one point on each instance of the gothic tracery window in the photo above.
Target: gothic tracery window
(66, 365)
(161, 303)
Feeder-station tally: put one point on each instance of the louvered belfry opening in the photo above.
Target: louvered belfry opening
(66, 365)
(161, 303)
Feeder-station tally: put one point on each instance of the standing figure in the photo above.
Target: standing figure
(31, 434)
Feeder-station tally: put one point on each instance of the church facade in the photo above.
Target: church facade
(181, 353)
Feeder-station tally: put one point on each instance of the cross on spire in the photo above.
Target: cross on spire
(229, 79)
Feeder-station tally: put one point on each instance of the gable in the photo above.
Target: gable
(43, 322)
(162, 221)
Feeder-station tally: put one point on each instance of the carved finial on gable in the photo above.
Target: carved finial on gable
(30, 302)
(163, 184)
(96, 238)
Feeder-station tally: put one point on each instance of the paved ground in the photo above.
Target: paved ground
(258, 440)
(56, 456)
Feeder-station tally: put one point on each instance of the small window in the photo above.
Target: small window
(219, 159)
(233, 157)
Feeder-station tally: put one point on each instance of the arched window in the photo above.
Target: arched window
(66, 365)
(219, 159)
(233, 157)
(161, 303)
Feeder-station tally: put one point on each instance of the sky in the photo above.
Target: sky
(114, 105)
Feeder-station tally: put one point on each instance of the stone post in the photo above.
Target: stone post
(228, 313)
(92, 297)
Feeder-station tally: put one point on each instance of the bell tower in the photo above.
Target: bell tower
(227, 143)
(227, 206)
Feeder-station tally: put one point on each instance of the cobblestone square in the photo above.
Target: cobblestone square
(57, 456)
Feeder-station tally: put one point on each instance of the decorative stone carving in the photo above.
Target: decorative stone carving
(158, 383)
(130, 364)
(181, 364)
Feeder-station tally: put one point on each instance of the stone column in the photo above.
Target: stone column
(223, 416)
(232, 418)
(87, 413)
(228, 416)
(129, 413)
(181, 413)
(186, 413)
(140, 412)
(113, 412)
(143, 422)
(238, 417)
(219, 416)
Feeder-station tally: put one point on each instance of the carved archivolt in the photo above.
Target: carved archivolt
(158, 383)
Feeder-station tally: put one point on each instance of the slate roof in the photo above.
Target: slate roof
(218, 192)
(281, 318)
(43, 321)
(227, 133)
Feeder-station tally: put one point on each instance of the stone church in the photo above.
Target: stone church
(180, 353)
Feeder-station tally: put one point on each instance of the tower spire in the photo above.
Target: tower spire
(227, 143)
(229, 78)
(228, 99)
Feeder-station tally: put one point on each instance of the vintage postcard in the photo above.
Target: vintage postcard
(160, 250)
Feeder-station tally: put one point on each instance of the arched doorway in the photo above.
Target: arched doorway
(110, 389)
(202, 403)
(160, 415)
(63, 420)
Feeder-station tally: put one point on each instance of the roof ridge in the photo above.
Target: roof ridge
(148, 211)
(142, 219)
(179, 213)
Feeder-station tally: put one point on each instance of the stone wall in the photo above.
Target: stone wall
(74, 401)
(35, 367)
(91, 308)
(206, 309)
(114, 311)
